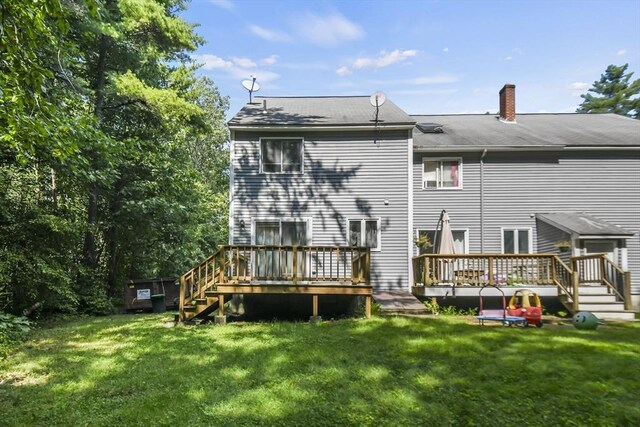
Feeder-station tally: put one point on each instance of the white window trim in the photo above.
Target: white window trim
(441, 159)
(308, 220)
(267, 138)
(416, 251)
(362, 227)
(517, 240)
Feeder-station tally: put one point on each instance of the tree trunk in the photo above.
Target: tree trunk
(90, 251)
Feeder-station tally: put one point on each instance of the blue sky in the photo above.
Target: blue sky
(428, 57)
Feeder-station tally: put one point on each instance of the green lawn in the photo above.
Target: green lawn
(131, 370)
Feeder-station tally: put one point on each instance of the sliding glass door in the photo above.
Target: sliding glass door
(275, 260)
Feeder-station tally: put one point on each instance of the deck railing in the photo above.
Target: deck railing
(531, 269)
(488, 269)
(259, 263)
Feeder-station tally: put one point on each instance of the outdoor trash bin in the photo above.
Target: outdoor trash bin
(157, 303)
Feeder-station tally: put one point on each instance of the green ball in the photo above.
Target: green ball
(585, 320)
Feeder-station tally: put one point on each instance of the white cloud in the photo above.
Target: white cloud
(211, 62)
(328, 29)
(244, 62)
(508, 58)
(312, 65)
(262, 76)
(446, 49)
(622, 52)
(343, 71)
(384, 59)
(269, 60)
(237, 68)
(579, 86)
(225, 4)
(269, 35)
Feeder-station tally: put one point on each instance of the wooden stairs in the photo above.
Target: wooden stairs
(197, 286)
(599, 286)
(599, 300)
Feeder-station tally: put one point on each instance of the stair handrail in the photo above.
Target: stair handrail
(562, 282)
(212, 268)
(620, 287)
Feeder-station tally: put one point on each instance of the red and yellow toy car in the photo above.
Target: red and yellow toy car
(526, 303)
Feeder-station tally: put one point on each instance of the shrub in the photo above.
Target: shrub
(13, 329)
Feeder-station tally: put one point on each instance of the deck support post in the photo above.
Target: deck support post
(575, 278)
(627, 290)
(367, 307)
(220, 319)
(315, 318)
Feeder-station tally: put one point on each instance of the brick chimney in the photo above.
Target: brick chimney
(508, 103)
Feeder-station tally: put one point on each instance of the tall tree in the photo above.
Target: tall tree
(113, 153)
(614, 93)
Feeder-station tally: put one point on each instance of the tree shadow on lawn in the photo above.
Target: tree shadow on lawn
(130, 370)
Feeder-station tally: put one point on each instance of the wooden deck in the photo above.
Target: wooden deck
(463, 274)
(253, 269)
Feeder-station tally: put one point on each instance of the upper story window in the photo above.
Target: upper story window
(516, 241)
(364, 232)
(442, 173)
(281, 155)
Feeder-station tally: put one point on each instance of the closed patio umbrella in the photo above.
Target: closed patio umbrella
(447, 245)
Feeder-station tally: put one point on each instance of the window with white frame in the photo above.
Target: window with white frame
(442, 173)
(516, 241)
(284, 232)
(364, 232)
(460, 241)
(281, 155)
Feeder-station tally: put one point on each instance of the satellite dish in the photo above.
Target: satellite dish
(251, 86)
(377, 99)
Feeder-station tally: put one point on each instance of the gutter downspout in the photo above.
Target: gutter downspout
(484, 153)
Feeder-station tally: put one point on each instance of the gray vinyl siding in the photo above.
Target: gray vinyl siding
(547, 235)
(346, 176)
(517, 185)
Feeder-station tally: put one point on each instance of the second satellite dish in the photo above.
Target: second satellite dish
(251, 86)
(377, 99)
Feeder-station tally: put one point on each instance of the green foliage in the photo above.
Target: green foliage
(617, 94)
(514, 279)
(440, 371)
(113, 152)
(448, 310)
(423, 242)
(13, 329)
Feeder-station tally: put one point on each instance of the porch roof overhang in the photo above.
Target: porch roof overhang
(584, 225)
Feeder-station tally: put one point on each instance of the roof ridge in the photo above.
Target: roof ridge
(319, 96)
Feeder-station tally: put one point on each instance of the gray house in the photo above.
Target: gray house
(526, 183)
(329, 190)
(322, 171)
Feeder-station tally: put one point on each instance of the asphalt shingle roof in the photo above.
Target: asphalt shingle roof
(318, 111)
(582, 224)
(530, 130)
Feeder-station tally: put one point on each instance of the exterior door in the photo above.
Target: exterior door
(275, 260)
